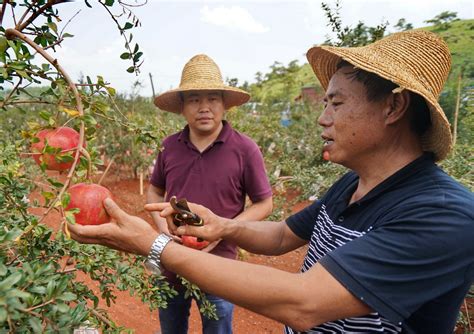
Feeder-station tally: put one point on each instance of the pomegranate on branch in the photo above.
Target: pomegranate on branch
(62, 140)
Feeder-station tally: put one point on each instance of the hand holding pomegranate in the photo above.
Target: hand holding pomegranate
(125, 232)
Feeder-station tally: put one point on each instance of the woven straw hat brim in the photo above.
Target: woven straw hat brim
(324, 60)
(171, 100)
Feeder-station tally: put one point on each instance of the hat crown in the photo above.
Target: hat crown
(200, 69)
(421, 54)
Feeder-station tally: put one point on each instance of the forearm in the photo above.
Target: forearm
(259, 237)
(256, 211)
(239, 282)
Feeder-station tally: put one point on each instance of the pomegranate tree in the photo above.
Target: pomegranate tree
(88, 199)
(63, 139)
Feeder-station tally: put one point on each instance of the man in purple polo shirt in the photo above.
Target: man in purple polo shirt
(209, 163)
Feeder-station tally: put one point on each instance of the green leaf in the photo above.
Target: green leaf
(109, 3)
(66, 199)
(11, 280)
(127, 25)
(67, 297)
(66, 35)
(35, 324)
(53, 27)
(3, 315)
(137, 56)
(131, 69)
(136, 48)
(89, 120)
(125, 55)
(70, 218)
(44, 115)
(111, 90)
(55, 183)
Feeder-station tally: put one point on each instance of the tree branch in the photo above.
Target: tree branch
(13, 33)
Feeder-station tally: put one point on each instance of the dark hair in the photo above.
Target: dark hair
(378, 88)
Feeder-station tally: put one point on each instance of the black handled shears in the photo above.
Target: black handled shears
(183, 213)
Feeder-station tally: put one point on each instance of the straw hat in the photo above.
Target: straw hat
(416, 60)
(201, 73)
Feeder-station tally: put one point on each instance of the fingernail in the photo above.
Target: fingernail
(107, 201)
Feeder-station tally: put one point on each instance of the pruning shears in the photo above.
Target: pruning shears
(183, 213)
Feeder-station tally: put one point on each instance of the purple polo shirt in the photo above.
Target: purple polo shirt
(218, 178)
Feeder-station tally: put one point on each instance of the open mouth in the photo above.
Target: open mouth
(327, 141)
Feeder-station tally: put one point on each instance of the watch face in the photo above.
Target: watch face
(152, 267)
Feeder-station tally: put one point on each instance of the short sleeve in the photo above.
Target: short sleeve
(302, 223)
(158, 176)
(412, 258)
(256, 181)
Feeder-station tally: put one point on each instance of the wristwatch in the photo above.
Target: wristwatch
(153, 261)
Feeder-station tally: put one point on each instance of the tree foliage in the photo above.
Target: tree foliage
(443, 20)
(347, 36)
(39, 291)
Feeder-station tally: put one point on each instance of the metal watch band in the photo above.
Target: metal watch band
(154, 257)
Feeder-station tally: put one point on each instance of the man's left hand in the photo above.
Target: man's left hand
(125, 233)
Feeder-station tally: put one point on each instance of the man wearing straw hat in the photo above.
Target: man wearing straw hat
(208, 163)
(390, 243)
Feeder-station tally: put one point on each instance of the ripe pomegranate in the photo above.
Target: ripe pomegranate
(192, 242)
(88, 199)
(64, 138)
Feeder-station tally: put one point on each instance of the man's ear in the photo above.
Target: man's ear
(397, 106)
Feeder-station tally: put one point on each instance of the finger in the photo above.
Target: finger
(86, 234)
(114, 210)
(195, 231)
(156, 206)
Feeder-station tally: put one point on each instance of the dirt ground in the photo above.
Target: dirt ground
(131, 313)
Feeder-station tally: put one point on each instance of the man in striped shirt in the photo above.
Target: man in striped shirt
(390, 243)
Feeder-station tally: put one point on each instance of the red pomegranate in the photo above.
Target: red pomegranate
(88, 199)
(64, 138)
(192, 242)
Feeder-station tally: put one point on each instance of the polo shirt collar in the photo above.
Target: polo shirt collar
(413, 167)
(224, 135)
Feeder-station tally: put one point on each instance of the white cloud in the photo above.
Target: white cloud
(234, 17)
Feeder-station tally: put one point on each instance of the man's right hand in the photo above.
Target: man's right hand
(214, 227)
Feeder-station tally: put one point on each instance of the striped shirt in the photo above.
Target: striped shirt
(326, 237)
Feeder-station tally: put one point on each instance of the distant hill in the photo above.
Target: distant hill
(460, 38)
(284, 82)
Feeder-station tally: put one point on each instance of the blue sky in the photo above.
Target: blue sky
(243, 37)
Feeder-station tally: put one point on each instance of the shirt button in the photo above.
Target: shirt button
(341, 219)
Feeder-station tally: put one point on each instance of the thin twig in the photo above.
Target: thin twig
(11, 93)
(4, 7)
(102, 318)
(20, 26)
(30, 102)
(106, 170)
(89, 162)
(467, 316)
(27, 11)
(28, 310)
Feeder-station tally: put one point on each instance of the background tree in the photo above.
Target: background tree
(443, 20)
(403, 25)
